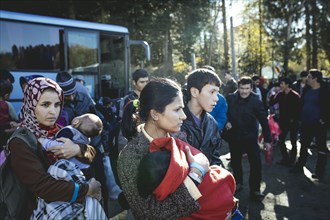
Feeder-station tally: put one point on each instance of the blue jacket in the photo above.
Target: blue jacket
(219, 112)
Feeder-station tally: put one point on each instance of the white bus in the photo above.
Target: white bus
(34, 44)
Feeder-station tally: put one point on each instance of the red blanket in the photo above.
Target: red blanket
(217, 187)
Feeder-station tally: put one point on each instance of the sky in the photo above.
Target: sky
(235, 8)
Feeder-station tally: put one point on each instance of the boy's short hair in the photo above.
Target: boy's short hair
(151, 171)
(303, 74)
(315, 73)
(6, 75)
(287, 81)
(139, 73)
(245, 80)
(5, 87)
(201, 77)
(255, 78)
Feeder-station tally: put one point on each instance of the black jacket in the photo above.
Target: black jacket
(289, 106)
(206, 139)
(243, 114)
(324, 103)
(81, 104)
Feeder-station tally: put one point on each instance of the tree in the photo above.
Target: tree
(280, 18)
(225, 36)
(324, 26)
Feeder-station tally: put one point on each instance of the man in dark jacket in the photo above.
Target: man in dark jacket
(75, 103)
(230, 86)
(300, 84)
(200, 127)
(289, 104)
(314, 122)
(244, 111)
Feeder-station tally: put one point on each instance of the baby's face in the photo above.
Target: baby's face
(84, 124)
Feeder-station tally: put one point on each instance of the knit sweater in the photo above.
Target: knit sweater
(176, 205)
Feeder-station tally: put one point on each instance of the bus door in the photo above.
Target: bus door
(113, 65)
(82, 57)
(100, 58)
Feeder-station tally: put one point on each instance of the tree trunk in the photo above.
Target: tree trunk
(165, 50)
(315, 34)
(308, 35)
(287, 47)
(170, 51)
(260, 38)
(225, 36)
(216, 14)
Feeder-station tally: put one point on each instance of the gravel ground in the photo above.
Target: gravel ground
(288, 196)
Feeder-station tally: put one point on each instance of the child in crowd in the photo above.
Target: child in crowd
(165, 167)
(8, 117)
(83, 127)
(200, 127)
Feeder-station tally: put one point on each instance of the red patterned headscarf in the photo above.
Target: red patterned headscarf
(32, 93)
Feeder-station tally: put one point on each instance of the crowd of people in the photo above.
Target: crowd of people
(170, 166)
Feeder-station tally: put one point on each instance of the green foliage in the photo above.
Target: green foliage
(176, 29)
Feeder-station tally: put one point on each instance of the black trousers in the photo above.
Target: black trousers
(287, 127)
(308, 132)
(237, 149)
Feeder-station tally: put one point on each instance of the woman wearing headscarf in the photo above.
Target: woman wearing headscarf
(42, 105)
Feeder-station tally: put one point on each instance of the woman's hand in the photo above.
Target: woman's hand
(228, 126)
(200, 159)
(94, 189)
(67, 150)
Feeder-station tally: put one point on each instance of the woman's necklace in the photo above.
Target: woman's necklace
(146, 134)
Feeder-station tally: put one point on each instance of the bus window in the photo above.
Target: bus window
(83, 58)
(33, 44)
(29, 46)
(112, 68)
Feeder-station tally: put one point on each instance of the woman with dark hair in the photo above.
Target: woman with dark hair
(161, 111)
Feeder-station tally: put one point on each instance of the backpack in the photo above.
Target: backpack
(12, 191)
(130, 96)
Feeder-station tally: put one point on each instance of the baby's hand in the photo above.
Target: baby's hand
(13, 124)
(94, 189)
(41, 139)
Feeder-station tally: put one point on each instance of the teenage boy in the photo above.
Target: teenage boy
(200, 127)
(140, 78)
(289, 104)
